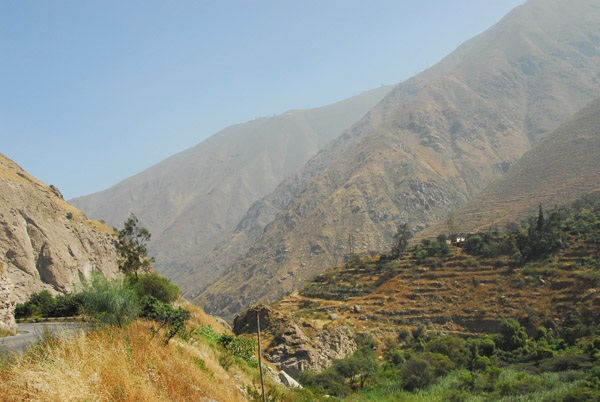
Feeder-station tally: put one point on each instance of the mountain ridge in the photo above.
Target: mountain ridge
(189, 199)
(432, 154)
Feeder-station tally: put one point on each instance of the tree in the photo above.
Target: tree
(358, 367)
(131, 245)
(401, 238)
(511, 335)
(540, 219)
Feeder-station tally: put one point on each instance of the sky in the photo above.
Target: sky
(95, 91)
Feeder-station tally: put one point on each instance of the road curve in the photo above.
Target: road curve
(30, 333)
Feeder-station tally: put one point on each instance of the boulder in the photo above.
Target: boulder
(288, 381)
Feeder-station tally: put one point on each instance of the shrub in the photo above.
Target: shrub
(454, 348)
(511, 335)
(154, 285)
(173, 320)
(110, 302)
(423, 368)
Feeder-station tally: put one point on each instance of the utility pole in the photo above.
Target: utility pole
(262, 382)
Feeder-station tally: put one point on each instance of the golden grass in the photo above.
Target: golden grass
(127, 364)
(4, 333)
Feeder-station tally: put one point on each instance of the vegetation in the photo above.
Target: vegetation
(131, 245)
(129, 364)
(536, 281)
(509, 364)
(43, 304)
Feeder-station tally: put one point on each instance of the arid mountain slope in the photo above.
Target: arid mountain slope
(562, 167)
(430, 154)
(188, 199)
(46, 243)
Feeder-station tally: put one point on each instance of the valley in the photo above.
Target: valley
(433, 240)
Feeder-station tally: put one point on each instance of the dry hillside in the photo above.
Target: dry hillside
(504, 91)
(562, 167)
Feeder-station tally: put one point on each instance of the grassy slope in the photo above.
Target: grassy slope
(127, 364)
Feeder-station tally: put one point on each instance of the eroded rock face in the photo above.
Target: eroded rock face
(46, 243)
(7, 318)
(295, 351)
(297, 345)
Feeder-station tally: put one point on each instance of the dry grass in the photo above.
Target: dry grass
(128, 364)
(4, 333)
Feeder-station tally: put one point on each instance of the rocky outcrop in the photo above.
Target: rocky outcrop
(46, 243)
(7, 318)
(295, 351)
(246, 323)
(296, 345)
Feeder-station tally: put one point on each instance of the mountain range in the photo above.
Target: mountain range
(190, 200)
(231, 233)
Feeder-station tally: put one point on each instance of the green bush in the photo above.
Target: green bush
(423, 369)
(44, 304)
(110, 302)
(154, 285)
(511, 335)
(173, 320)
(456, 349)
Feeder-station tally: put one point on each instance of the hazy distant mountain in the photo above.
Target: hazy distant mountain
(191, 198)
(561, 168)
(467, 121)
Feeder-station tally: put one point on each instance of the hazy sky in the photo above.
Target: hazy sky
(92, 92)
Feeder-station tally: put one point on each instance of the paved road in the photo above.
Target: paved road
(30, 333)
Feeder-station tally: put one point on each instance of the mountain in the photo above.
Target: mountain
(190, 199)
(46, 243)
(467, 120)
(562, 167)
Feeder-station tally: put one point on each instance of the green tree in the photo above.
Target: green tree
(401, 238)
(154, 285)
(511, 335)
(131, 245)
(358, 367)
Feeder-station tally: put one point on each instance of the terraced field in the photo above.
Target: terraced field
(464, 294)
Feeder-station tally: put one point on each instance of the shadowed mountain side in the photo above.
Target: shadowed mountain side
(515, 83)
(561, 168)
(193, 196)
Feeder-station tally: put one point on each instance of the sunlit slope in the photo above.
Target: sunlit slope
(512, 85)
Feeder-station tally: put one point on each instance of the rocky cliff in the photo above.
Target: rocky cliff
(46, 243)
